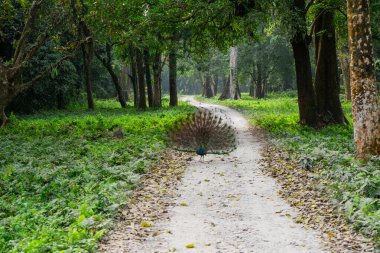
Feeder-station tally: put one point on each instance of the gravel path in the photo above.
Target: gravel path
(226, 204)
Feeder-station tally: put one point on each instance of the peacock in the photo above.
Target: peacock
(203, 132)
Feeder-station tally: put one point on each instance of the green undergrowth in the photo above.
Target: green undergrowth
(355, 185)
(63, 175)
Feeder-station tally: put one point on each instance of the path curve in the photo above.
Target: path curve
(227, 205)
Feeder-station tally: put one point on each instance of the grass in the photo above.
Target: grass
(63, 175)
(355, 185)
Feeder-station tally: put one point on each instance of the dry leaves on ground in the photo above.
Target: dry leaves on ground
(149, 202)
(302, 189)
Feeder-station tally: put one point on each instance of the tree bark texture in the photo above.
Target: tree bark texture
(329, 109)
(365, 104)
(305, 89)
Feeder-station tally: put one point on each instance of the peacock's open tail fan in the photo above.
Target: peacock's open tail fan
(203, 129)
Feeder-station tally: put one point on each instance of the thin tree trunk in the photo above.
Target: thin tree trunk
(216, 84)
(3, 116)
(329, 109)
(141, 79)
(208, 87)
(259, 83)
(365, 104)
(107, 63)
(157, 80)
(87, 50)
(345, 66)
(148, 77)
(135, 86)
(173, 78)
(88, 53)
(124, 82)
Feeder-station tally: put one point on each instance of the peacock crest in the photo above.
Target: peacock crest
(203, 132)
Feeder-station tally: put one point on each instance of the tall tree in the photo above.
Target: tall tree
(30, 41)
(329, 109)
(231, 88)
(300, 44)
(157, 68)
(84, 33)
(173, 77)
(133, 76)
(365, 104)
(141, 78)
(148, 77)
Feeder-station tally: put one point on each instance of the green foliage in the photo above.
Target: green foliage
(355, 185)
(63, 175)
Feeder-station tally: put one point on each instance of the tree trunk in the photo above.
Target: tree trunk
(252, 89)
(148, 77)
(124, 81)
(107, 63)
(345, 66)
(329, 109)
(259, 83)
(88, 53)
(305, 90)
(3, 116)
(157, 80)
(216, 84)
(208, 87)
(173, 78)
(141, 79)
(365, 104)
(133, 76)
(231, 89)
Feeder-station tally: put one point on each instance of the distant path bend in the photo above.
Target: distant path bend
(231, 205)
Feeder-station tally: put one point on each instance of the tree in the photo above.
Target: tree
(30, 41)
(173, 77)
(107, 63)
(365, 104)
(148, 77)
(141, 78)
(231, 88)
(84, 33)
(157, 69)
(326, 84)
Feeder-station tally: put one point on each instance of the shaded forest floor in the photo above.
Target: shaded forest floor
(327, 154)
(64, 174)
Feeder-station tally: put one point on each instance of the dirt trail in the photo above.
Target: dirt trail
(226, 205)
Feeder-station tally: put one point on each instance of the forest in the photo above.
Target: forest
(105, 105)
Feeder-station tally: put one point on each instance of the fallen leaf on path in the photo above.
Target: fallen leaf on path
(190, 246)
